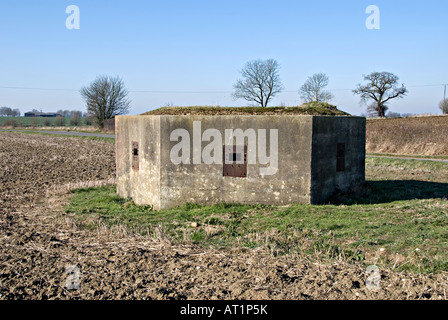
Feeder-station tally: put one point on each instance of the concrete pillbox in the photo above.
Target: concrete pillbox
(169, 160)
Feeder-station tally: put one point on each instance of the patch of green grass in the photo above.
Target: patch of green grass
(438, 157)
(398, 217)
(389, 169)
(104, 203)
(38, 121)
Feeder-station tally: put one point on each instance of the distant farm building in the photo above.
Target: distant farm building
(42, 114)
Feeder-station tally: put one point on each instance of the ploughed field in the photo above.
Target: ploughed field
(41, 242)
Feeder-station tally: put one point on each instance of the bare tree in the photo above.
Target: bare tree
(6, 111)
(381, 87)
(75, 119)
(64, 113)
(75, 113)
(443, 105)
(313, 89)
(105, 98)
(392, 114)
(260, 82)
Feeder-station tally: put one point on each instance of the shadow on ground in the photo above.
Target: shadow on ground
(385, 191)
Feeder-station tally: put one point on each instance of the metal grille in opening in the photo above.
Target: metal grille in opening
(235, 161)
(135, 156)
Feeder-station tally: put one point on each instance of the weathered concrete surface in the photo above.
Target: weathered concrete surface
(164, 184)
(143, 186)
(327, 133)
(206, 184)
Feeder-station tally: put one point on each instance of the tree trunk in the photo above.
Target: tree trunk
(381, 111)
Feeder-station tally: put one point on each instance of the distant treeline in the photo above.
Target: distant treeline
(8, 112)
(72, 113)
(68, 113)
(390, 114)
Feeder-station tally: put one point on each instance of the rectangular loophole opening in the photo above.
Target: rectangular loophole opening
(340, 157)
(135, 156)
(235, 157)
(235, 161)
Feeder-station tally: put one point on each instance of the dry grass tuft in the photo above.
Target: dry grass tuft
(68, 187)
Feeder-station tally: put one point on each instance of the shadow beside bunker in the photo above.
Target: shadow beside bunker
(385, 191)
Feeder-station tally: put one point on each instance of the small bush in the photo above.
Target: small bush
(59, 122)
(10, 123)
(33, 122)
(443, 105)
(88, 121)
(75, 120)
(47, 122)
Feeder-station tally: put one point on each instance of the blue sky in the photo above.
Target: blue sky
(191, 52)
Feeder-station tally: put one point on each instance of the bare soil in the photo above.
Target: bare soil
(39, 241)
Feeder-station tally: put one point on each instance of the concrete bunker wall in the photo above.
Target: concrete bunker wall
(142, 184)
(205, 183)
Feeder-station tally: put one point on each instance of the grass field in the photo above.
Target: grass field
(225, 251)
(37, 122)
(399, 221)
(408, 136)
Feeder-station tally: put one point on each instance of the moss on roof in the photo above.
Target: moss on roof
(311, 108)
